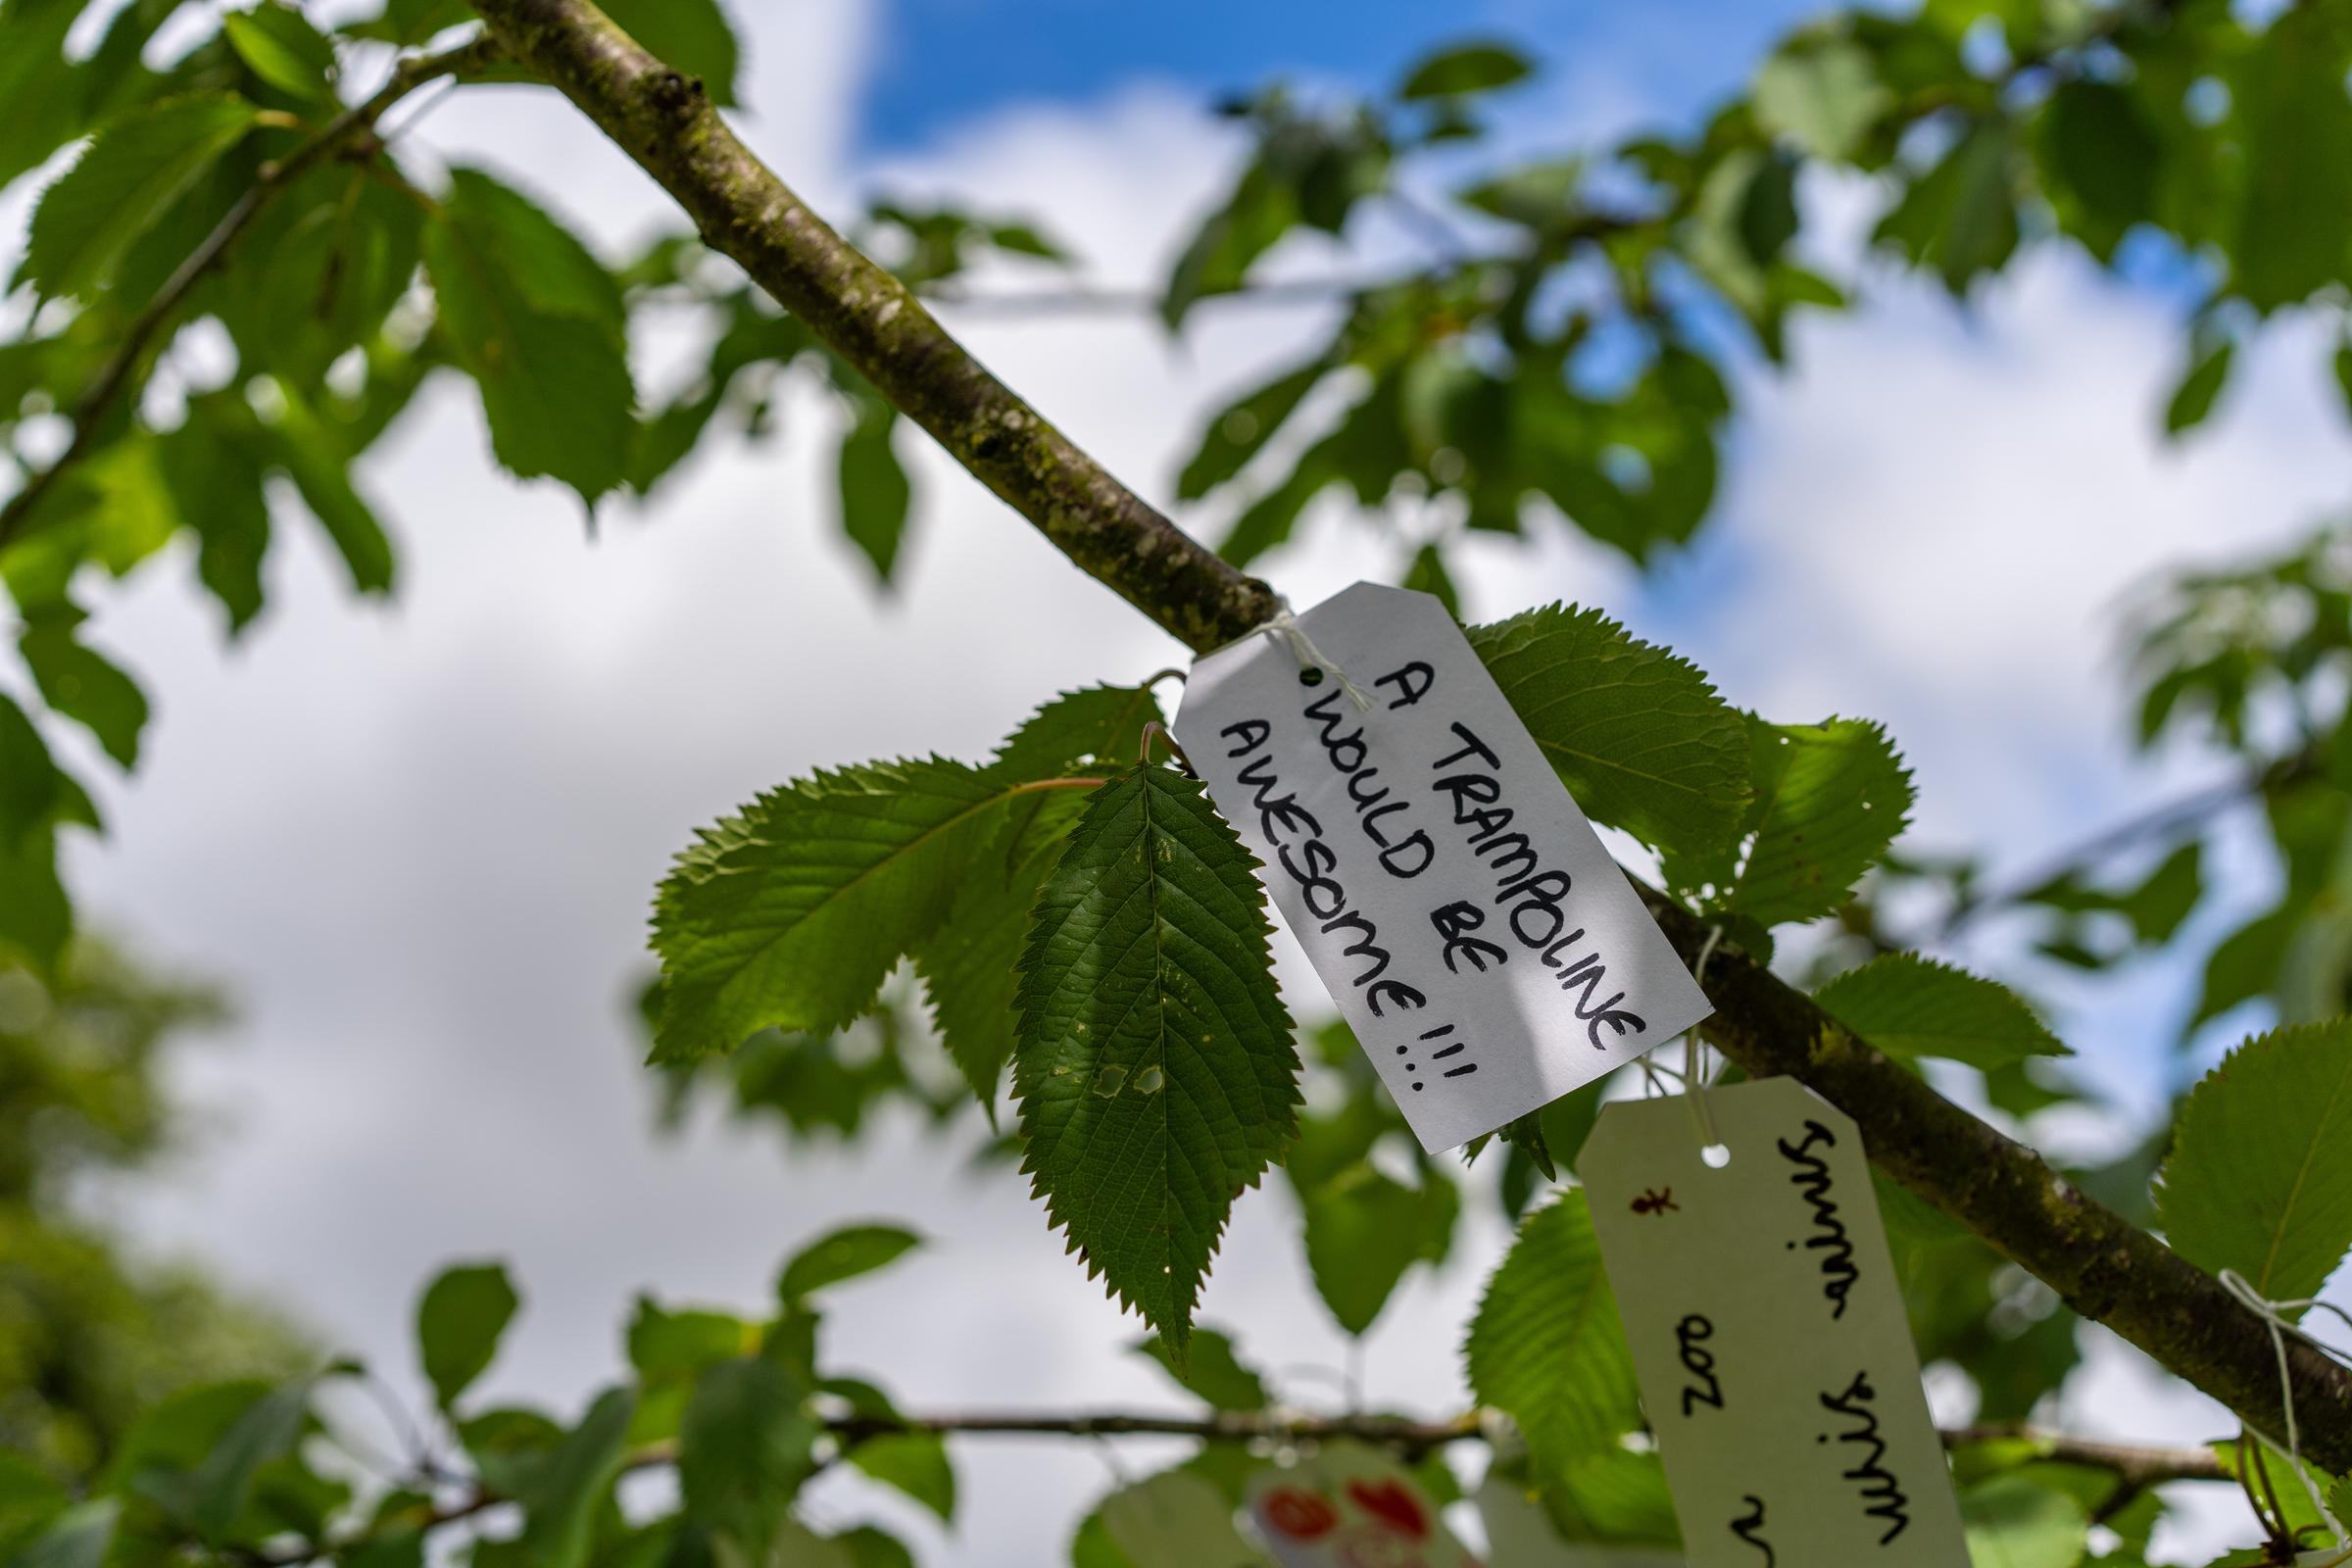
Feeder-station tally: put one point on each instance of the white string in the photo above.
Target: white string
(1284, 627)
(2270, 1312)
(1695, 1082)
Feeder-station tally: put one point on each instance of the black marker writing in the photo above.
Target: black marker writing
(1812, 1178)
(1440, 1054)
(1311, 862)
(1351, 755)
(1689, 1338)
(1454, 921)
(1884, 1498)
(1750, 1526)
(1412, 683)
(1530, 891)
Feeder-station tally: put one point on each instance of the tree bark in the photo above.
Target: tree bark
(2103, 1266)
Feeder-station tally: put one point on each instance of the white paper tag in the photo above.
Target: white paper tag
(1455, 902)
(1348, 1507)
(1768, 1334)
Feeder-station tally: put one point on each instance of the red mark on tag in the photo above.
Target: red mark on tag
(1392, 1504)
(1300, 1515)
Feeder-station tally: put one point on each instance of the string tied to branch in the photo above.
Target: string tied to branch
(1696, 1076)
(1284, 627)
(2274, 1316)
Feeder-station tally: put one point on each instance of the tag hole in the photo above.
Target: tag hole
(1310, 676)
(1716, 1156)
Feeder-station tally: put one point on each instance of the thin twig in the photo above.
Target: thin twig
(117, 374)
(2190, 809)
(2135, 1465)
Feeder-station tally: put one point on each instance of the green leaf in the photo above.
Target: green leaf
(31, 789)
(1212, 1371)
(80, 1538)
(1908, 1005)
(2194, 399)
(1095, 731)
(537, 322)
(788, 914)
(694, 36)
(1617, 1495)
(1155, 1071)
(310, 455)
(1545, 1345)
(874, 491)
(2294, 118)
(209, 1498)
(2157, 908)
(1268, 521)
(2343, 370)
(968, 964)
(1637, 734)
(327, 280)
(2100, 161)
(215, 477)
(2260, 1176)
(1428, 575)
(1363, 1230)
(459, 1322)
(1960, 218)
(566, 1489)
(44, 95)
(1767, 216)
(1830, 799)
(413, 22)
(1823, 95)
(915, 1463)
(122, 184)
(1464, 68)
(2012, 1522)
(1264, 207)
(1241, 431)
(36, 920)
(278, 44)
(743, 1451)
(31, 1498)
(843, 1254)
(871, 1547)
(84, 685)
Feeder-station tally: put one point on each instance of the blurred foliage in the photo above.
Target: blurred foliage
(1554, 340)
(92, 1335)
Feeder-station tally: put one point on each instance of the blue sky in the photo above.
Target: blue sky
(938, 64)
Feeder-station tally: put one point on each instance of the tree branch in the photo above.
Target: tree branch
(115, 376)
(2104, 1267)
(665, 122)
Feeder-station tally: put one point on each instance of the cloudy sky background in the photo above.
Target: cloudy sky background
(417, 840)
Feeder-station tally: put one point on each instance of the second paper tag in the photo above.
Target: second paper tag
(1458, 905)
(1768, 1334)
